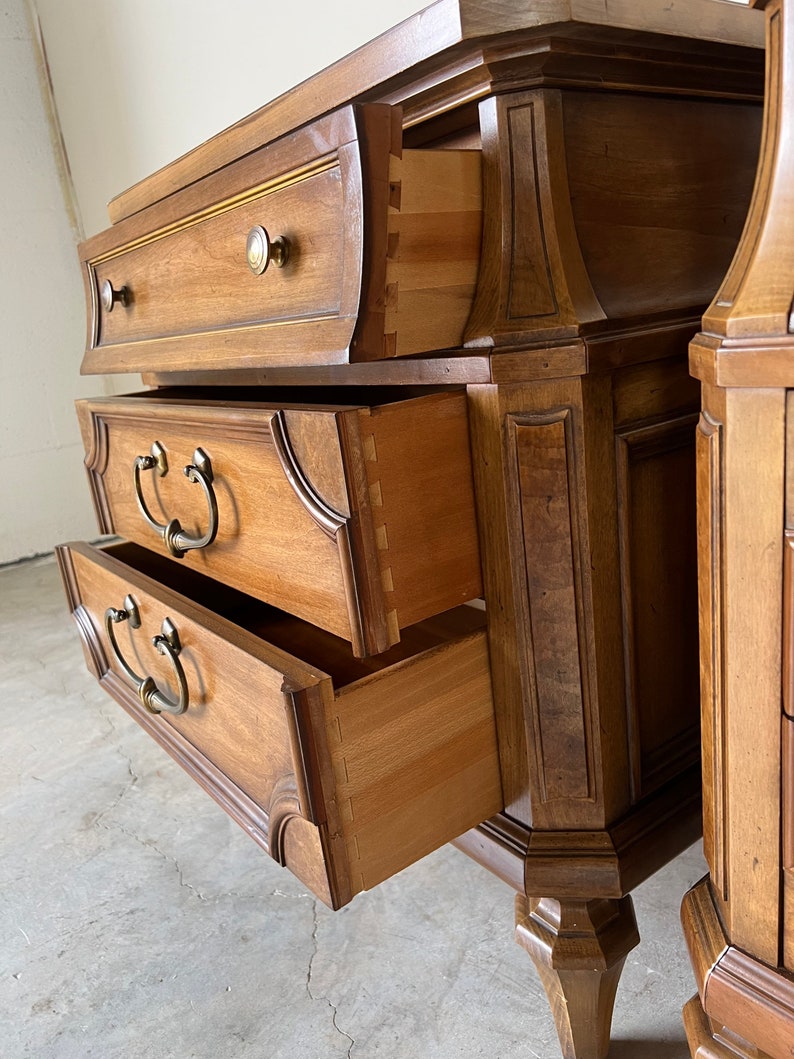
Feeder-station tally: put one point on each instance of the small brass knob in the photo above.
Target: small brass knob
(261, 250)
(110, 296)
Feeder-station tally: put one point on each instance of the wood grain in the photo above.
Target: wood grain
(487, 408)
(659, 194)
(656, 481)
(754, 1000)
(410, 750)
(383, 564)
(788, 842)
(385, 768)
(420, 486)
(546, 492)
(433, 255)
(168, 274)
(710, 494)
(579, 949)
(443, 370)
(788, 586)
(743, 356)
(752, 521)
(714, 1042)
(575, 171)
(755, 299)
(383, 258)
(538, 284)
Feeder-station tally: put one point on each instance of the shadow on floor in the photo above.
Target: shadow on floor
(648, 1049)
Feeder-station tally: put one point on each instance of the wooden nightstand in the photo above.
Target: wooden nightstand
(739, 921)
(420, 352)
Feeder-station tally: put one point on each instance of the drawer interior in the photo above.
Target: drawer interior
(320, 398)
(312, 645)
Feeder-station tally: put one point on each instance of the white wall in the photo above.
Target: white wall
(42, 323)
(139, 82)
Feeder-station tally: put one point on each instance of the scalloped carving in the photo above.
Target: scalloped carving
(96, 464)
(285, 805)
(333, 524)
(95, 657)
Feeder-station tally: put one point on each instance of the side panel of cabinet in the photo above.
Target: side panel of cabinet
(788, 842)
(744, 708)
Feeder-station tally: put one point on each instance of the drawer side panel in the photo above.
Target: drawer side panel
(415, 758)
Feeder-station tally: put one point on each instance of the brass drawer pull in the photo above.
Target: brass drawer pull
(167, 643)
(176, 540)
(261, 250)
(110, 296)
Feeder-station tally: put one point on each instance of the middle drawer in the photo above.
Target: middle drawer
(358, 518)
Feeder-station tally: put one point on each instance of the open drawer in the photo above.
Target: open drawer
(346, 771)
(359, 518)
(329, 245)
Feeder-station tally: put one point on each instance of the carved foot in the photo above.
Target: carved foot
(714, 1042)
(578, 948)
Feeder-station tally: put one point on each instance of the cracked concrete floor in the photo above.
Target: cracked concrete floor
(139, 922)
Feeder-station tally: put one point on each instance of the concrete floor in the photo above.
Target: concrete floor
(138, 922)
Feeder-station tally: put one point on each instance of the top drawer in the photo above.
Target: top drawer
(326, 246)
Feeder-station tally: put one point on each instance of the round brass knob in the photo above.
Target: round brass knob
(110, 296)
(261, 250)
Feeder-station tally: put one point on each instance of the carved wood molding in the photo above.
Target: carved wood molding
(331, 147)
(578, 948)
(589, 864)
(252, 817)
(714, 1042)
(93, 649)
(548, 563)
(329, 521)
(96, 463)
(285, 805)
(333, 525)
(755, 301)
(754, 1001)
(532, 274)
(710, 491)
(269, 429)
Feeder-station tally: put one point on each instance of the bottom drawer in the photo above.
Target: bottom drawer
(345, 770)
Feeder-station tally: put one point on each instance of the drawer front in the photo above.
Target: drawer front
(304, 761)
(195, 279)
(185, 297)
(360, 520)
(375, 254)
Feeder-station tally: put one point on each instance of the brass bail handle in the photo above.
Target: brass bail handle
(262, 251)
(177, 541)
(167, 643)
